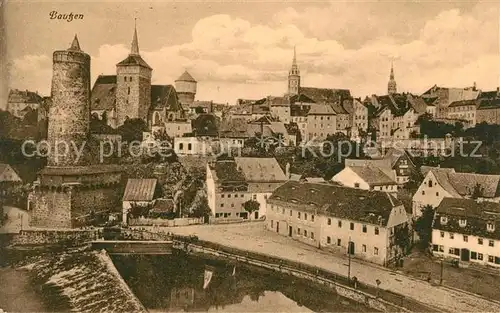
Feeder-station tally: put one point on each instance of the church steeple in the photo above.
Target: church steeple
(75, 45)
(391, 86)
(294, 76)
(134, 50)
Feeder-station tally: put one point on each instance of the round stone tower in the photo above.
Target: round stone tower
(69, 113)
(185, 86)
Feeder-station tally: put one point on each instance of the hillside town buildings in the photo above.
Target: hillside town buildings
(467, 230)
(339, 219)
(20, 101)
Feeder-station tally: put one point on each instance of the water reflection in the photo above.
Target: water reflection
(175, 283)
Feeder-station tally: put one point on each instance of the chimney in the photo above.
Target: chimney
(211, 106)
(287, 170)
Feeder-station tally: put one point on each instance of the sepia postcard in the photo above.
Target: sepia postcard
(249, 156)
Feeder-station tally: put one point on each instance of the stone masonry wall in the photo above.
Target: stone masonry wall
(41, 237)
(69, 113)
(133, 104)
(51, 208)
(96, 199)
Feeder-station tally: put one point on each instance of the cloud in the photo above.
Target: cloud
(233, 58)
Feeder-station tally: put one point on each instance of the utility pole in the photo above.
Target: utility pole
(441, 276)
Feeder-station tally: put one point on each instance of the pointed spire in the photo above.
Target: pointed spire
(392, 70)
(75, 45)
(134, 50)
(294, 55)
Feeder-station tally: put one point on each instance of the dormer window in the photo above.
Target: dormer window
(444, 220)
(490, 227)
(462, 222)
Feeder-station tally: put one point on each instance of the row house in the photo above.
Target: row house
(280, 108)
(468, 231)
(464, 110)
(367, 178)
(442, 97)
(338, 219)
(396, 115)
(358, 120)
(20, 101)
(299, 116)
(397, 162)
(440, 183)
(233, 181)
(321, 122)
(488, 109)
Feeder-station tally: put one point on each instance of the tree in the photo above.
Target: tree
(202, 209)
(132, 129)
(137, 211)
(31, 117)
(423, 226)
(402, 237)
(251, 206)
(414, 180)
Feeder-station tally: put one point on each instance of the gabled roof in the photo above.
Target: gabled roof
(103, 95)
(488, 95)
(6, 167)
(321, 109)
(165, 96)
(394, 154)
(373, 176)
(463, 184)
(134, 59)
(338, 108)
(463, 103)
(486, 104)
(139, 189)
(372, 207)
(477, 215)
(186, 77)
(325, 95)
(260, 169)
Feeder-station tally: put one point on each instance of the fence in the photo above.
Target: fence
(320, 275)
(164, 222)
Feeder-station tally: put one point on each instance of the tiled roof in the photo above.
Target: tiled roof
(373, 176)
(278, 101)
(476, 214)
(233, 128)
(381, 163)
(347, 203)
(186, 77)
(394, 154)
(431, 101)
(325, 95)
(417, 103)
(463, 184)
(321, 109)
(301, 98)
(426, 169)
(338, 108)
(25, 96)
(463, 103)
(299, 110)
(486, 104)
(488, 95)
(260, 169)
(103, 96)
(165, 96)
(140, 189)
(134, 59)
(278, 128)
(205, 125)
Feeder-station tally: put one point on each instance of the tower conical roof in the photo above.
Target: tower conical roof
(75, 45)
(134, 49)
(186, 77)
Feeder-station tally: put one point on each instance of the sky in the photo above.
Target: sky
(244, 49)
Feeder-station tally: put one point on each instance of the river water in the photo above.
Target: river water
(175, 284)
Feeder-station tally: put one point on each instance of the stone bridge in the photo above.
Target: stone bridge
(133, 246)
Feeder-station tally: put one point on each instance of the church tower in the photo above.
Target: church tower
(294, 77)
(133, 85)
(391, 86)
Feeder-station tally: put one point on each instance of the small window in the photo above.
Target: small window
(283, 211)
(190, 146)
(437, 194)
(128, 90)
(444, 220)
(442, 234)
(298, 215)
(312, 235)
(452, 236)
(364, 228)
(339, 242)
(356, 185)
(305, 216)
(305, 233)
(291, 212)
(491, 259)
(328, 240)
(222, 195)
(375, 251)
(473, 255)
(340, 224)
(480, 256)
(312, 218)
(491, 243)
(329, 221)
(479, 241)
(423, 192)
(229, 195)
(430, 183)
(222, 205)
(352, 226)
(272, 225)
(466, 238)
(376, 230)
(298, 231)
(363, 248)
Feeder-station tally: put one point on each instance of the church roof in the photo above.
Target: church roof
(134, 59)
(186, 77)
(103, 95)
(164, 96)
(321, 95)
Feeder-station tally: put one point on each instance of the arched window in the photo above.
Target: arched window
(189, 146)
(156, 118)
(181, 146)
(128, 91)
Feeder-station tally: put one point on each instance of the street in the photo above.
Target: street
(253, 237)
